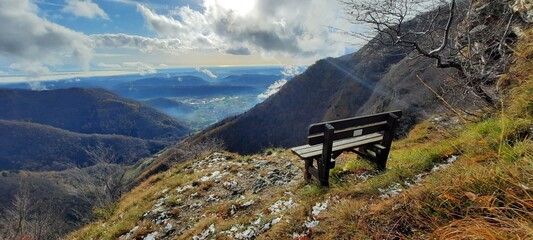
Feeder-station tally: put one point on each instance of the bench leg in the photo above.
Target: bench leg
(308, 163)
(323, 173)
(381, 159)
(382, 156)
(324, 164)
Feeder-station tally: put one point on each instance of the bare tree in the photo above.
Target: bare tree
(475, 38)
(19, 213)
(105, 179)
(29, 216)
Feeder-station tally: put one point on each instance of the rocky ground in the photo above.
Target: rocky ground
(236, 197)
(257, 188)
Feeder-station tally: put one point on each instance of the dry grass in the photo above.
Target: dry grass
(486, 194)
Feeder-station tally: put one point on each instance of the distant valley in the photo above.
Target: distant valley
(186, 94)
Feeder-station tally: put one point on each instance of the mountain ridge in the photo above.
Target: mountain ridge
(89, 110)
(37, 147)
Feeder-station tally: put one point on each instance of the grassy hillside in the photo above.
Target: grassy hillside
(445, 180)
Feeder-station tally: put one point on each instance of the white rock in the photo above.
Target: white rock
(206, 233)
(151, 236)
(281, 205)
(390, 191)
(212, 198)
(276, 220)
(257, 221)
(311, 224)
(210, 176)
(249, 233)
(247, 204)
(168, 227)
(319, 207)
(230, 184)
(184, 188)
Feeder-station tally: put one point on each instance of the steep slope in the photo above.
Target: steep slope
(331, 88)
(445, 180)
(443, 177)
(88, 111)
(32, 146)
(376, 78)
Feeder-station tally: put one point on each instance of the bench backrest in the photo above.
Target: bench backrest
(350, 127)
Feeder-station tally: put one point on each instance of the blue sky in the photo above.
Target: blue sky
(41, 38)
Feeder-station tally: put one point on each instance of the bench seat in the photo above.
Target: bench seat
(313, 151)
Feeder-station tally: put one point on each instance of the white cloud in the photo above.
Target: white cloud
(207, 72)
(272, 89)
(143, 44)
(33, 69)
(37, 86)
(295, 28)
(141, 68)
(111, 66)
(34, 44)
(85, 8)
(290, 71)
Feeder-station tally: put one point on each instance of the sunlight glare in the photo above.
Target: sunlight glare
(240, 7)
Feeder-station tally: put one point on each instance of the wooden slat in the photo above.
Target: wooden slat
(309, 148)
(379, 146)
(350, 122)
(343, 145)
(313, 171)
(348, 132)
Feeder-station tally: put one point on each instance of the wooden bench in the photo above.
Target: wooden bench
(368, 136)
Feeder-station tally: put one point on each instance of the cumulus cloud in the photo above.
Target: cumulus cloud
(143, 44)
(34, 44)
(290, 71)
(84, 8)
(33, 69)
(37, 86)
(272, 89)
(207, 72)
(297, 28)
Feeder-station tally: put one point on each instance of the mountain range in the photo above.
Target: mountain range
(52, 130)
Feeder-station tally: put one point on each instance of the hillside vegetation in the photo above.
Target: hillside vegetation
(36, 147)
(89, 111)
(446, 180)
